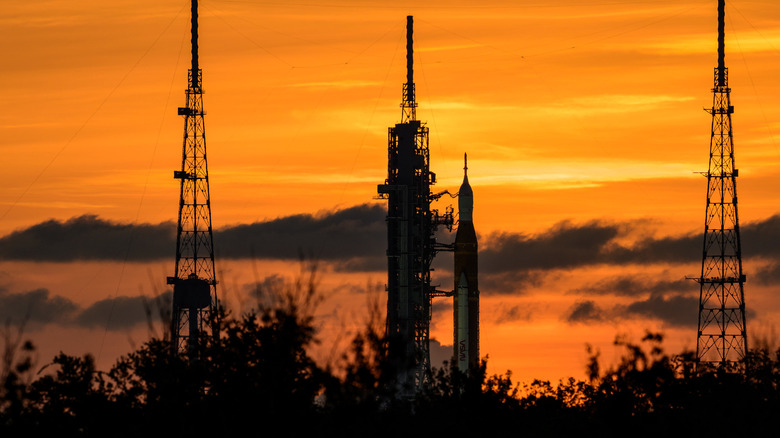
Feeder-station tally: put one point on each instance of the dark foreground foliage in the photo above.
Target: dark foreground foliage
(260, 379)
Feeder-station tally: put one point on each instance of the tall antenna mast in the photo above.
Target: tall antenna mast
(722, 335)
(194, 285)
(408, 102)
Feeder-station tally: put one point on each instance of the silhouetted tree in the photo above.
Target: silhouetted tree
(15, 378)
(260, 376)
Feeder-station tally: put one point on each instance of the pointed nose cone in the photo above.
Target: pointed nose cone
(465, 196)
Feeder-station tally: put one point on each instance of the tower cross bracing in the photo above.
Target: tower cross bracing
(194, 283)
(411, 241)
(722, 334)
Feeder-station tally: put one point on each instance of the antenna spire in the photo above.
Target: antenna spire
(408, 104)
(721, 43)
(410, 52)
(195, 79)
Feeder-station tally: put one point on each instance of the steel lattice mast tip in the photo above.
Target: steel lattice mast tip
(194, 285)
(721, 335)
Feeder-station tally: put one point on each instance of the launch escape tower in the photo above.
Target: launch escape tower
(411, 243)
(721, 337)
(194, 285)
(466, 293)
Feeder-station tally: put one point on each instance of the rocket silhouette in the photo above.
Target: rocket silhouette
(466, 296)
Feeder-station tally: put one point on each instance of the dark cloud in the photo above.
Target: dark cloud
(758, 239)
(39, 307)
(270, 285)
(636, 285)
(677, 310)
(355, 237)
(514, 313)
(36, 306)
(761, 238)
(509, 283)
(439, 353)
(363, 264)
(568, 245)
(585, 311)
(495, 283)
(512, 262)
(678, 249)
(352, 236)
(767, 275)
(118, 313)
(89, 238)
(563, 246)
(442, 305)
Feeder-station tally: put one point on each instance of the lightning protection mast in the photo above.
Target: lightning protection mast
(411, 243)
(722, 336)
(194, 285)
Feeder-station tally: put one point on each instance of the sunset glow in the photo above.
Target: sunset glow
(582, 121)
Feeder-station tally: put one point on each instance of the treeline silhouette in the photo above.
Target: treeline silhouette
(260, 379)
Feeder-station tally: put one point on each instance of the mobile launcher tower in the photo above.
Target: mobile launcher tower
(411, 241)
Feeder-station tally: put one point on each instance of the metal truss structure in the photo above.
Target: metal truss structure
(721, 336)
(411, 243)
(194, 284)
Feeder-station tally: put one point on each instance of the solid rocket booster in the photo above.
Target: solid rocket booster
(466, 296)
(462, 323)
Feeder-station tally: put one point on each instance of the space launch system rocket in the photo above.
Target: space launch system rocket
(466, 296)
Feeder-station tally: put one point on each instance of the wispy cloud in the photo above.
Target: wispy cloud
(444, 48)
(619, 102)
(768, 40)
(344, 84)
(561, 174)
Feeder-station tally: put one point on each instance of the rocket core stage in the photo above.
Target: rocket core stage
(466, 297)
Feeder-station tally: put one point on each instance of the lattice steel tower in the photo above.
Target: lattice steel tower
(411, 244)
(722, 337)
(194, 285)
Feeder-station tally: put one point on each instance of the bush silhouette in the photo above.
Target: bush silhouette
(260, 377)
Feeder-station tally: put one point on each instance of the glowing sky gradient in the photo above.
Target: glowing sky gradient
(573, 111)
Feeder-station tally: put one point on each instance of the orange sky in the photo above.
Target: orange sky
(577, 111)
